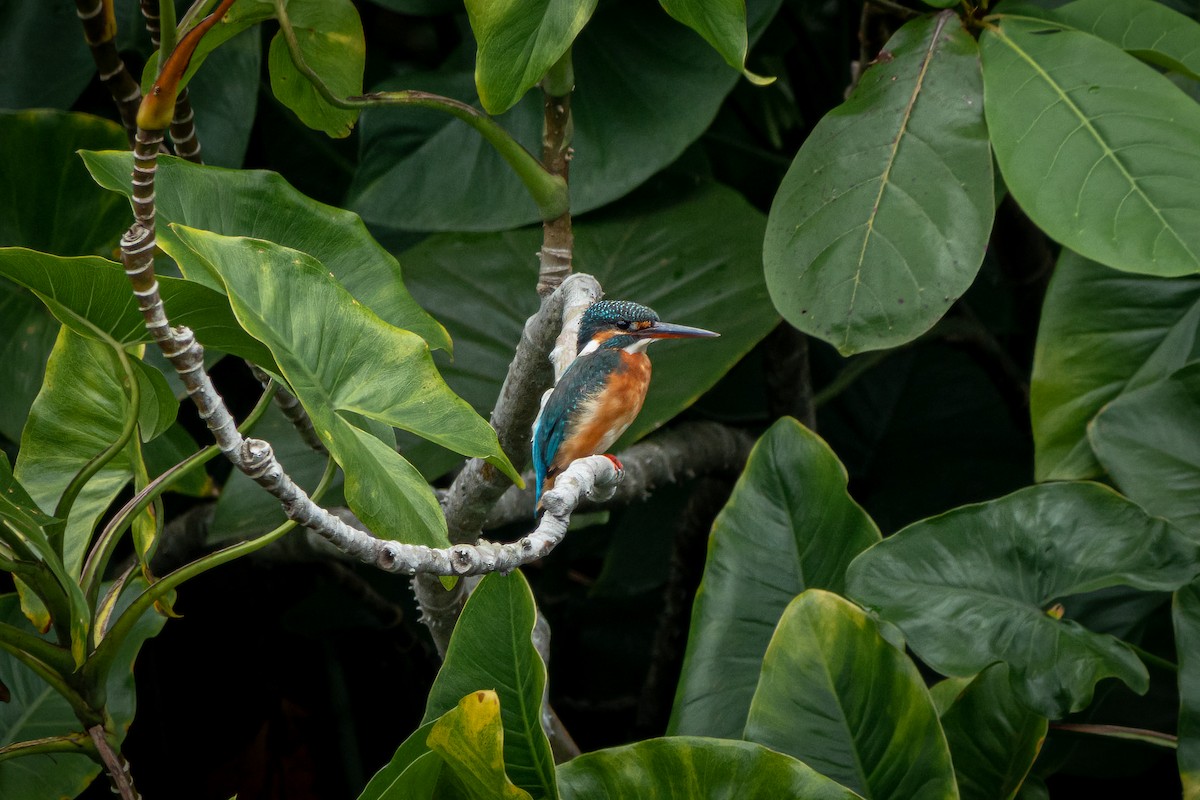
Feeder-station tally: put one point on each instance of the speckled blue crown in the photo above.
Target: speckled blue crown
(605, 314)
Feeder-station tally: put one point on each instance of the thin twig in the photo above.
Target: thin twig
(115, 764)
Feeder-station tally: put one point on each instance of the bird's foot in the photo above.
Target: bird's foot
(616, 462)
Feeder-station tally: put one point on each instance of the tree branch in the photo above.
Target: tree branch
(99, 30)
(114, 764)
(558, 241)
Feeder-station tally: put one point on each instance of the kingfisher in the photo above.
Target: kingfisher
(602, 391)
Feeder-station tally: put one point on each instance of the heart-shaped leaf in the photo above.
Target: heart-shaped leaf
(1149, 442)
(262, 205)
(1118, 194)
(341, 361)
(693, 768)
(883, 218)
(1102, 333)
(492, 648)
(836, 695)
(980, 584)
(789, 525)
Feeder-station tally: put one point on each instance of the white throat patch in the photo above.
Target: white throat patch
(638, 346)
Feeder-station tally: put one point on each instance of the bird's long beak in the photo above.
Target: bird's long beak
(667, 330)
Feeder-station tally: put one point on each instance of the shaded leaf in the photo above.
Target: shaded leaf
(1185, 613)
(470, 739)
(993, 738)
(330, 36)
(230, 202)
(412, 772)
(492, 648)
(973, 586)
(341, 360)
(27, 334)
(1149, 441)
(789, 525)
(225, 97)
(1116, 192)
(722, 24)
(518, 43)
(836, 695)
(882, 220)
(42, 61)
(1102, 333)
(635, 113)
(1149, 30)
(693, 768)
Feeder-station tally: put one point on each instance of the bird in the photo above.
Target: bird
(601, 392)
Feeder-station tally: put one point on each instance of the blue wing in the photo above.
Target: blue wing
(584, 378)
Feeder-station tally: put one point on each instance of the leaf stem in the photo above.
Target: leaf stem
(1156, 738)
(70, 743)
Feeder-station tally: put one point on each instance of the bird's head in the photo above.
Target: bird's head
(620, 324)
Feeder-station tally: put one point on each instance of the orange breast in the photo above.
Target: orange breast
(608, 414)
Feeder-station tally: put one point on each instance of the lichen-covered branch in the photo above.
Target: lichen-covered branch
(100, 30)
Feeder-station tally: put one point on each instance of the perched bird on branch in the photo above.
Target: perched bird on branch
(602, 391)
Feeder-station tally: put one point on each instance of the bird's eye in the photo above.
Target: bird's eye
(623, 324)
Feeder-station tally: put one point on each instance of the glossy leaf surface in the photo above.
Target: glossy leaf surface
(470, 739)
(972, 586)
(836, 695)
(693, 768)
(1149, 30)
(993, 738)
(882, 220)
(1102, 333)
(492, 649)
(518, 43)
(1059, 104)
(230, 202)
(789, 525)
(634, 114)
(722, 23)
(1149, 442)
(342, 360)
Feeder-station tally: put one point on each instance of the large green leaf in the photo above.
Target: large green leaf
(224, 98)
(722, 23)
(50, 203)
(1185, 612)
(43, 61)
(974, 586)
(694, 262)
(635, 113)
(1149, 441)
(1096, 146)
(35, 710)
(836, 695)
(330, 38)
(993, 738)
(93, 297)
(492, 648)
(470, 739)
(407, 775)
(262, 205)
(1102, 333)
(789, 525)
(693, 768)
(1147, 29)
(883, 218)
(518, 43)
(27, 334)
(79, 413)
(342, 361)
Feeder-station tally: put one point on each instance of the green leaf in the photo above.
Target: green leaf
(789, 525)
(1060, 107)
(492, 648)
(77, 415)
(27, 334)
(158, 407)
(470, 738)
(341, 359)
(56, 208)
(974, 586)
(722, 23)
(694, 262)
(169, 449)
(518, 43)
(993, 738)
(93, 297)
(693, 768)
(1149, 30)
(836, 695)
(225, 96)
(1185, 612)
(635, 113)
(35, 710)
(242, 15)
(882, 220)
(1149, 442)
(1102, 333)
(231, 202)
(407, 776)
(330, 36)
(42, 59)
